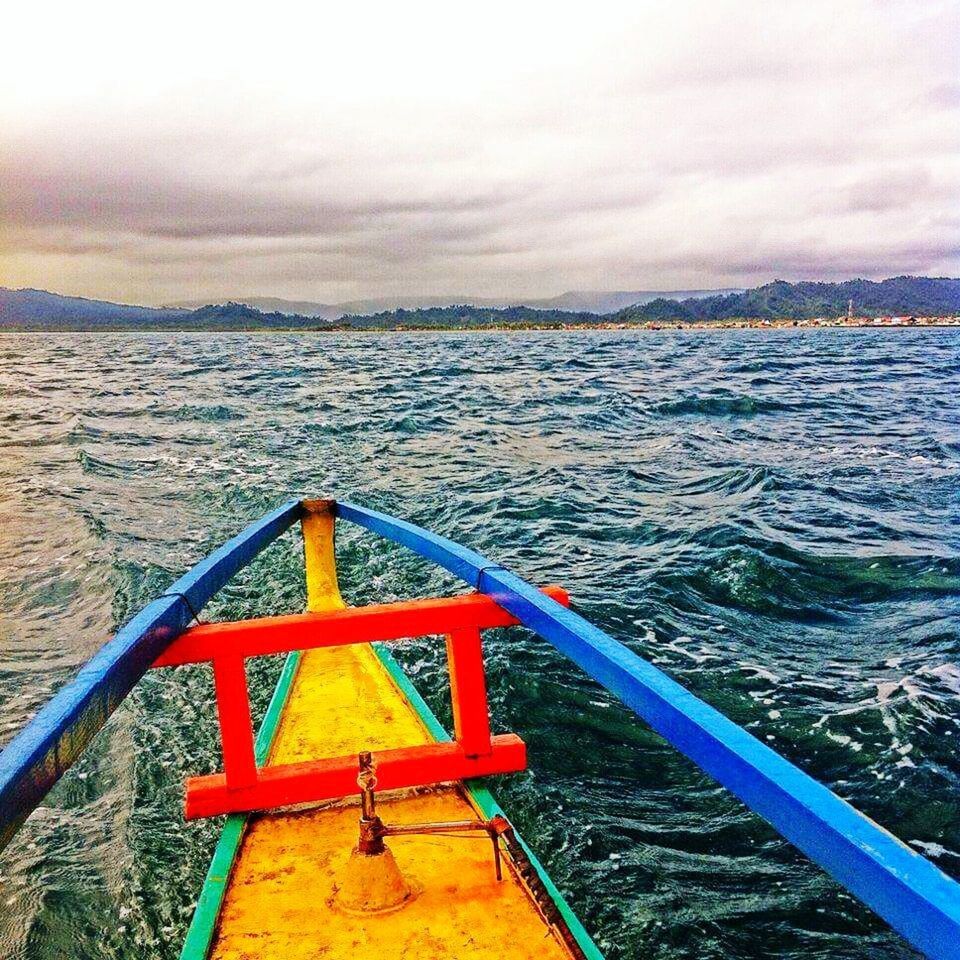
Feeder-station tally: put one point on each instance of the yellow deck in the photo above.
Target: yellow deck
(278, 902)
(278, 905)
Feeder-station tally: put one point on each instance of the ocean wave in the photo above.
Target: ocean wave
(786, 549)
(718, 405)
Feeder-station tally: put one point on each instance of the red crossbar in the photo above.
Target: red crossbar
(243, 786)
(316, 780)
(305, 631)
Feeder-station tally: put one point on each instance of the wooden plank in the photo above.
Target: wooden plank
(292, 783)
(468, 692)
(306, 631)
(236, 727)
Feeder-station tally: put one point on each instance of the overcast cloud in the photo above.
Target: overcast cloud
(189, 151)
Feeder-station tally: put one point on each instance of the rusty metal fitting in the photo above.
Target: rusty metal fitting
(367, 782)
(373, 829)
(372, 832)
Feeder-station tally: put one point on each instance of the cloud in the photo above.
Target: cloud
(432, 150)
(944, 95)
(896, 189)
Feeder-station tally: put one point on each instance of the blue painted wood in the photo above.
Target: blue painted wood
(461, 562)
(39, 755)
(904, 888)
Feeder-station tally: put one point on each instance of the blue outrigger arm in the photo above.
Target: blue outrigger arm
(43, 751)
(901, 886)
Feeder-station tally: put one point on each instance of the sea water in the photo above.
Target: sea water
(769, 516)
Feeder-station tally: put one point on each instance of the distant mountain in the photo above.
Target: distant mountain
(299, 308)
(467, 316)
(607, 301)
(578, 301)
(915, 296)
(38, 308)
(334, 311)
(239, 316)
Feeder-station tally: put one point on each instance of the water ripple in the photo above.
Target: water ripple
(771, 517)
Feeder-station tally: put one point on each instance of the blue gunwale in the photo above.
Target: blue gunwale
(901, 886)
(49, 744)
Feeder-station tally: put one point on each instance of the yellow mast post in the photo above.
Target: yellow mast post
(317, 524)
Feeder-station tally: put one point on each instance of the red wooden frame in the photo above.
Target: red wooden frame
(244, 786)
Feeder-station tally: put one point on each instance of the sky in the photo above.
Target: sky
(332, 152)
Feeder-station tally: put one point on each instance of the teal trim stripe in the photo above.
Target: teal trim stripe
(196, 946)
(406, 687)
(484, 801)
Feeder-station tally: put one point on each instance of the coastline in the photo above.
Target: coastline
(863, 323)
